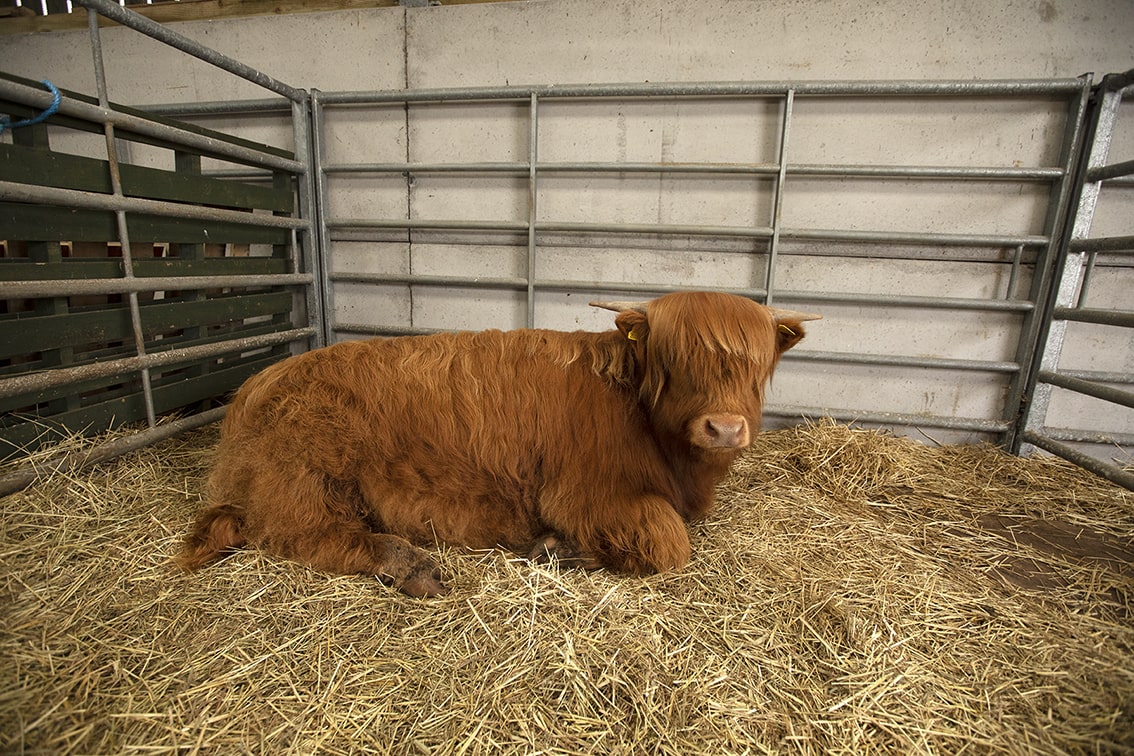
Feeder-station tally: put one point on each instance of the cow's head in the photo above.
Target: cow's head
(703, 360)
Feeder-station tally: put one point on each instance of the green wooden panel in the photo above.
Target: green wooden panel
(27, 165)
(46, 396)
(21, 438)
(25, 335)
(78, 269)
(22, 111)
(42, 223)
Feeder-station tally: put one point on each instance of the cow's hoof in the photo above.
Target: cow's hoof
(424, 582)
(553, 547)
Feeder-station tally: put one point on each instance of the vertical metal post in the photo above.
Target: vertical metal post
(778, 202)
(1021, 389)
(1071, 275)
(305, 249)
(120, 216)
(533, 156)
(322, 251)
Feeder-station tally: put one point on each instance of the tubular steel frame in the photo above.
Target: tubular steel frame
(314, 230)
(1069, 293)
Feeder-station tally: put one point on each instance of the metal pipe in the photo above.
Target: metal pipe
(1113, 473)
(138, 22)
(747, 169)
(1104, 244)
(1089, 388)
(323, 246)
(533, 198)
(778, 201)
(962, 88)
(1122, 318)
(889, 418)
(69, 106)
(73, 198)
(992, 305)
(120, 218)
(66, 463)
(219, 107)
(1077, 436)
(69, 288)
(40, 381)
(305, 255)
(893, 360)
(1114, 170)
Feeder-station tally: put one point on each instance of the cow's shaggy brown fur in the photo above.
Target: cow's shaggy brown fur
(595, 447)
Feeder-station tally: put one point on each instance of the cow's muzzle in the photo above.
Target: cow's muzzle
(721, 431)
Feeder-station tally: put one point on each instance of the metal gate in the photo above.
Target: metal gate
(401, 237)
(135, 293)
(1073, 315)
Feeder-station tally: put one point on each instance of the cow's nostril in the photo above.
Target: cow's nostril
(725, 431)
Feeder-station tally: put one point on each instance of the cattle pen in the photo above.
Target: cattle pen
(929, 549)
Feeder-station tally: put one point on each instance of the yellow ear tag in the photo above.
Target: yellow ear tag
(786, 329)
(632, 335)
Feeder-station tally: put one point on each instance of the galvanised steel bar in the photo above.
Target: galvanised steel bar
(893, 360)
(1100, 376)
(1123, 318)
(120, 218)
(323, 245)
(38, 98)
(990, 173)
(1088, 388)
(760, 232)
(1010, 291)
(1113, 473)
(29, 473)
(888, 418)
(50, 195)
(56, 287)
(899, 300)
(886, 300)
(138, 22)
(772, 257)
(1078, 436)
(220, 107)
(29, 382)
(533, 194)
(1114, 170)
(393, 279)
(305, 256)
(962, 88)
(1109, 244)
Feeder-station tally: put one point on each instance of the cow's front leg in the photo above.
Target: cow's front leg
(639, 535)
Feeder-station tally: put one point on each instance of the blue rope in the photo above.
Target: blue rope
(51, 109)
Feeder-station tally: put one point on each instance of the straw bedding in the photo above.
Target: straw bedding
(855, 592)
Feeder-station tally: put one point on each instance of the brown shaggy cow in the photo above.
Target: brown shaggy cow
(596, 448)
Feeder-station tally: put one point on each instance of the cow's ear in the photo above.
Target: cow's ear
(633, 325)
(788, 334)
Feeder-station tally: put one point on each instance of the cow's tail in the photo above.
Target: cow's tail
(217, 530)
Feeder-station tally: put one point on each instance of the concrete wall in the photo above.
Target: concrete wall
(583, 41)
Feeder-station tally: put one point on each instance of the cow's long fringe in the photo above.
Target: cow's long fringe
(854, 593)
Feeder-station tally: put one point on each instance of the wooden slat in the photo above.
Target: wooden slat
(42, 223)
(22, 438)
(26, 335)
(73, 269)
(46, 168)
